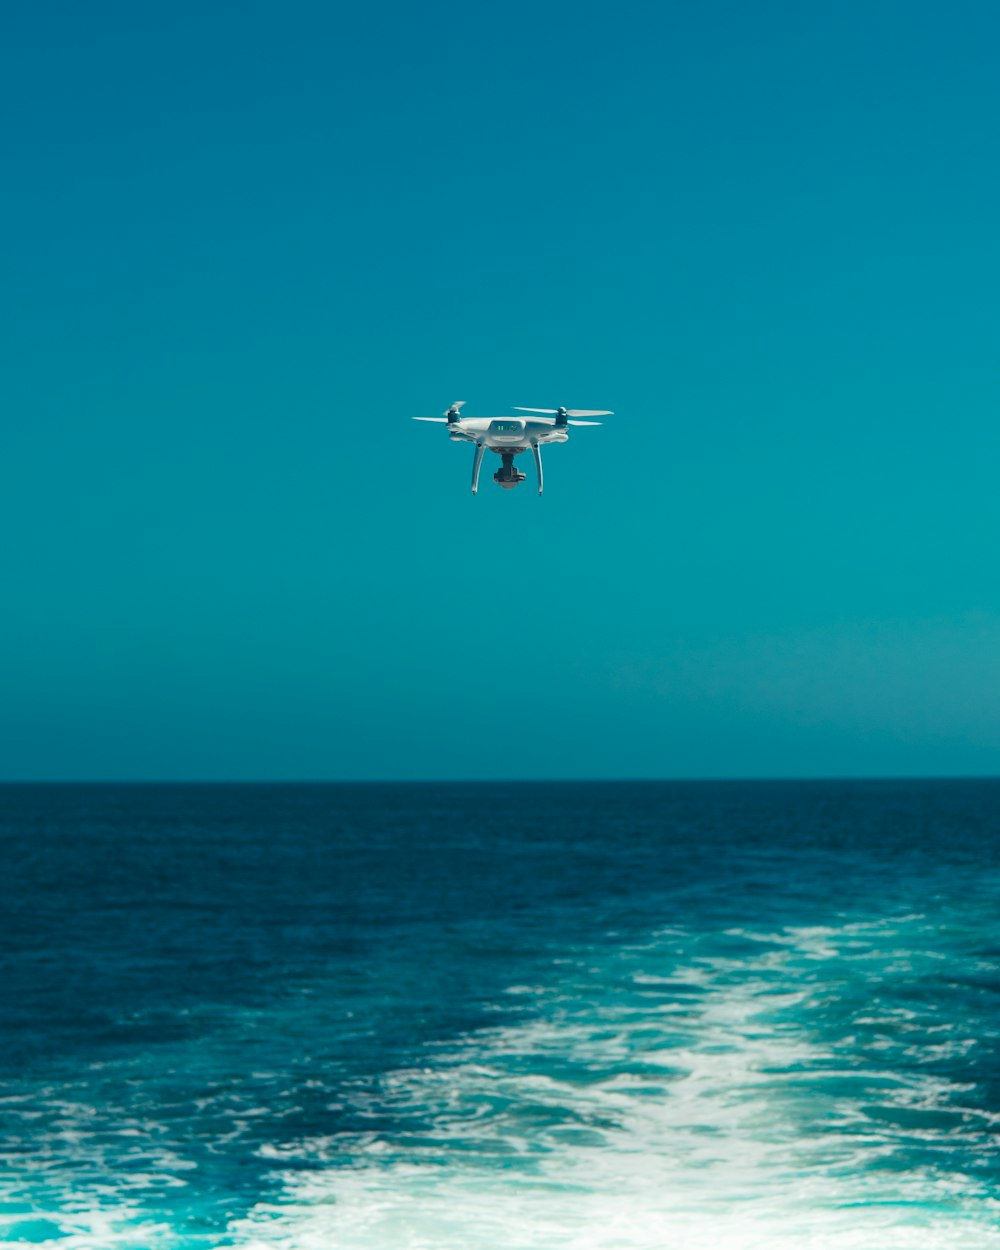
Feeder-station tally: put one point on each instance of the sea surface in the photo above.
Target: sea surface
(667, 1016)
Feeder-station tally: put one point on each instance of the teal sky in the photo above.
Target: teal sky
(244, 243)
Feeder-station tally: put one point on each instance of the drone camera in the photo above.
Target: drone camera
(508, 477)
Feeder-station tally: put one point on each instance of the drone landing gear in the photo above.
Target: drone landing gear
(536, 448)
(508, 477)
(480, 448)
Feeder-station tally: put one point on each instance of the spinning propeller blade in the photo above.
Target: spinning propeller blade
(451, 414)
(570, 412)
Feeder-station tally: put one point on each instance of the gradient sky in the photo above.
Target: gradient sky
(244, 243)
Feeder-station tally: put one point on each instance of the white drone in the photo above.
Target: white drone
(509, 436)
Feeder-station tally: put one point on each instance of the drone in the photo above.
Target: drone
(509, 436)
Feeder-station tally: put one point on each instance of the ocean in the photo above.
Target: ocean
(504, 1016)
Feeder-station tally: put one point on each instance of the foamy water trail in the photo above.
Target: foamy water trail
(733, 1089)
(361, 1019)
(669, 1096)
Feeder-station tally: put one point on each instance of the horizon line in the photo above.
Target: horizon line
(492, 781)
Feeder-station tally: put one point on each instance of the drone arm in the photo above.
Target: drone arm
(480, 448)
(536, 448)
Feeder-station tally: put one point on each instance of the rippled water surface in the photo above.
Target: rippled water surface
(660, 1016)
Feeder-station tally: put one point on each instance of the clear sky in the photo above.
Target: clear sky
(244, 242)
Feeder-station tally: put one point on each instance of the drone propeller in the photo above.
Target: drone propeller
(451, 414)
(570, 412)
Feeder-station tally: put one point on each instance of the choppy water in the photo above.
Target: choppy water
(657, 1016)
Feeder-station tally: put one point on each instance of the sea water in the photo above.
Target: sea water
(668, 1016)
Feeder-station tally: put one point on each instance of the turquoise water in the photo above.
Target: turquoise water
(664, 1016)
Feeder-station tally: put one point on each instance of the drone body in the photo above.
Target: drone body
(509, 436)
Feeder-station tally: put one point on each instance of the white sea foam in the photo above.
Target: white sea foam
(613, 1124)
(660, 1096)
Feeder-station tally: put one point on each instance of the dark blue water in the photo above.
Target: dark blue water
(543, 1015)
